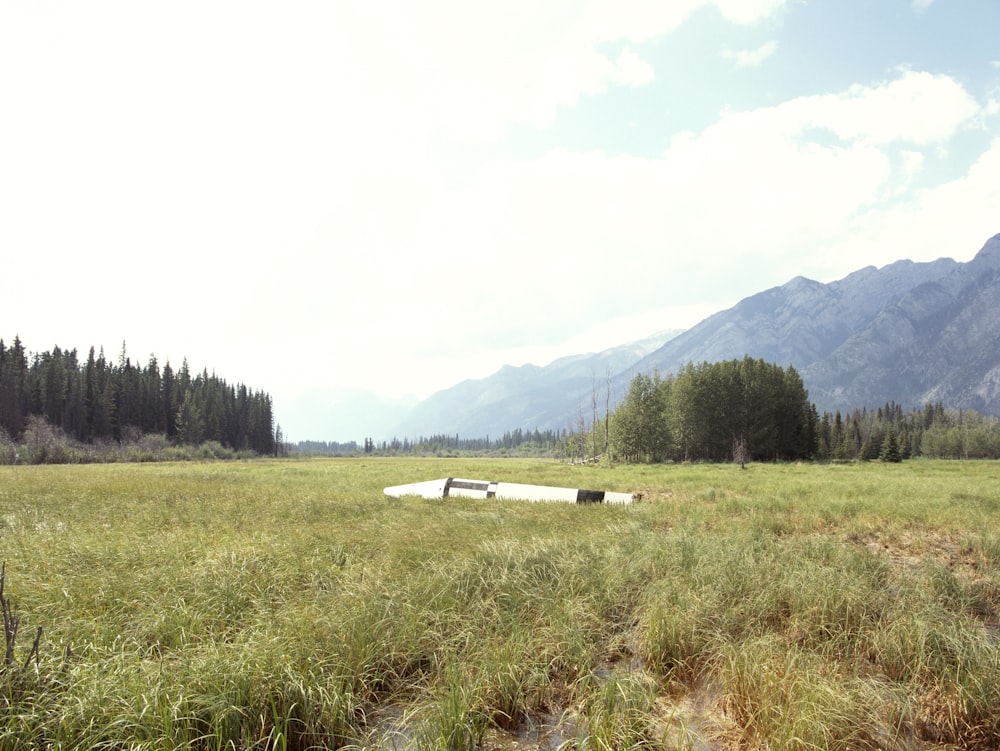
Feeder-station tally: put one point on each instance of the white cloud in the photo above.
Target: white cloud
(912, 163)
(466, 70)
(952, 219)
(295, 186)
(567, 64)
(631, 70)
(919, 6)
(732, 205)
(562, 78)
(530, 59)
(751, 58)
(641, 20)
(917, 108)
(748, 11)
(751, 182)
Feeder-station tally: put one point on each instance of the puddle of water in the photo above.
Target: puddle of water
(391, 731)
(548, 732)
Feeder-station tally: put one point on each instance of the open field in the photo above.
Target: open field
(289, 605)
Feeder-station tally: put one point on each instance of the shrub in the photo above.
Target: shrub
(151, 447)
(8, 451)
(45, 444)
(214, 450)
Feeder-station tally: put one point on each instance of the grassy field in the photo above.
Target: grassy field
(290, 605)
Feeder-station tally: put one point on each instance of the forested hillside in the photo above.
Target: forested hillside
(96, 400)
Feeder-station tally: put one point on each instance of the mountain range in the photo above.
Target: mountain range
(527, 396)
(909, 332)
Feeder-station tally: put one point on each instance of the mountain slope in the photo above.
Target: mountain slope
(909, 332)
(799, 323)
(526, 397)
(939, 342)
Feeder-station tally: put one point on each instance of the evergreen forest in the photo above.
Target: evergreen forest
(94, 401)
(746, 409)
(736, 410)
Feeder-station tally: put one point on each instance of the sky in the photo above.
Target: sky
(319, 199)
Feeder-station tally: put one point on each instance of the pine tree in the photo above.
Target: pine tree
(14, 388)
(890, 447)
(168, 396)
(190, 424)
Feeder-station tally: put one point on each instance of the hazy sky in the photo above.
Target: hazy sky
(313, 197)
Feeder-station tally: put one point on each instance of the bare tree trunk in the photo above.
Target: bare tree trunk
(593, 424)
(607, 410)
(740, 452)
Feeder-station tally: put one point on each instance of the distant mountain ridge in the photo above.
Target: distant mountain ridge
(938, 342)
(908, 332)
(526, 397)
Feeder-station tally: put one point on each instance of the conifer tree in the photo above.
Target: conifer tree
(890, 447)
(190, 425)
(14, 404)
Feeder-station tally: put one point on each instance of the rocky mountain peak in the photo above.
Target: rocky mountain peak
(990, 253)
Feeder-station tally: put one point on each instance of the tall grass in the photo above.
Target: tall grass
(290, 605)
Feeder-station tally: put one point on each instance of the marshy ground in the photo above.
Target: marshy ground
(290, 605)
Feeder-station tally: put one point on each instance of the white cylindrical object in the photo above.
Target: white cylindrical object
(513, 491)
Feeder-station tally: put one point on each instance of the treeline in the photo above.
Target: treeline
(737, 410)
(95, 400)
(740, 410)
(520, 442)
(933, 432)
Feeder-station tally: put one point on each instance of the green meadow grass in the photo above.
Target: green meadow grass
(290, 605)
